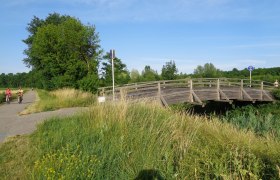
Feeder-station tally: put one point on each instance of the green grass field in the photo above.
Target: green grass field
(130, 141)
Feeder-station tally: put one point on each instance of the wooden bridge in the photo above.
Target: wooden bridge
(194, 91)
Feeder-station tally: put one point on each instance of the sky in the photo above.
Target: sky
(228, 33)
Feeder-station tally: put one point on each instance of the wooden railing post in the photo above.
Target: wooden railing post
(123, 94)
(241, 89)
(262, 90)
(103, 92)
(218, 90)
(191, 90)
(159, 90)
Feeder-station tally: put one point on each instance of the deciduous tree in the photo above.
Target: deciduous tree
(62, 50)
(169, 71)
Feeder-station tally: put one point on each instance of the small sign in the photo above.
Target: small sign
(101, 99)
(112, 54)
(250, 68)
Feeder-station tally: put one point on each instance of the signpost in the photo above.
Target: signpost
(112, 55)
(251, 68)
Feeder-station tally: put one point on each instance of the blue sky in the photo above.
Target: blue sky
(227, 33)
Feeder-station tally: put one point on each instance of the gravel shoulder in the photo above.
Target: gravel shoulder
(11, 124)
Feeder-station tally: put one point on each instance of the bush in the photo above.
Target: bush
(2, 97)
(263, 119)
(89, 83)
(276, 94)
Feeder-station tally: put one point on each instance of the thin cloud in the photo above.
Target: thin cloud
(263, 45)
(155, 10)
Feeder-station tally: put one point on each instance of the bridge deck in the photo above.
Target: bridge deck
(195, 91)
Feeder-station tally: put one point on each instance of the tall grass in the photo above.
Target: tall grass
(130, 141)
(263, 119)
(61, 98)
(2, 97)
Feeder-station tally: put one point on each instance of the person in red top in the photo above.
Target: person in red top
(8, 94)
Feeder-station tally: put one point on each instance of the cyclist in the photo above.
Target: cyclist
(276, 84)
(8, 94)
(20, 95)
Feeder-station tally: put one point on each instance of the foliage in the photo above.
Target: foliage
(264, 119)
(124, 140)
(134, 76)
(15, 80)
(276, 94)
(169, 71)
(207, 71)
(121, 74)
(62, 50)
(148, 74)
(89, 83)
(2, 97)
(265, 74)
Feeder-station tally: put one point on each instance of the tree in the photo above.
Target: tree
(149, 74)
(62, 50)
(207, 71)
(169, 71)
(121, 73)
(135, 76)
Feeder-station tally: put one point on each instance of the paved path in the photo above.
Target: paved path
(12, 124)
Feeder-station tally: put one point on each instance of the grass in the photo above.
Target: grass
(262, 119)
(130, 141)
(63, 98)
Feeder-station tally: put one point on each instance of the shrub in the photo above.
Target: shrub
(89, 83)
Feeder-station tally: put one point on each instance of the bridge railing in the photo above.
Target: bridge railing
(154, 88)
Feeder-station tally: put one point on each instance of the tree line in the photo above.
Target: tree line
(63, 52)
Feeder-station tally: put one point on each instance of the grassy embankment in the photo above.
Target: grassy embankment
(125, 141)
(63, 98)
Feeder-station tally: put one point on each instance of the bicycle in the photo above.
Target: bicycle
(8, 98)
(19, 99)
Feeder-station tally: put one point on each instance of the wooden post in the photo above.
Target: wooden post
(123, 93)
(218, 90)
(241, 89)
(103, 92)
(191, 90)
(262, 90)
(159, 90)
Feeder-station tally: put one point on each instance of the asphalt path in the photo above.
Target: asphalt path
(11, 124)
